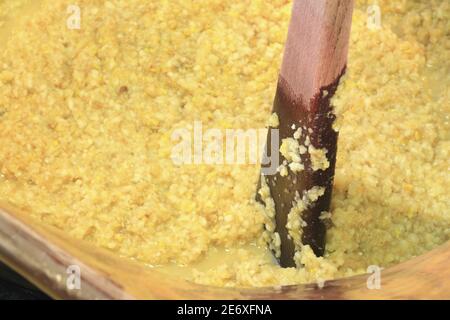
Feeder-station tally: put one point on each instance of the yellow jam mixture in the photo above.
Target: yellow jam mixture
(87, 116)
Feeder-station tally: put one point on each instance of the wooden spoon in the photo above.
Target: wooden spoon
(314, 61)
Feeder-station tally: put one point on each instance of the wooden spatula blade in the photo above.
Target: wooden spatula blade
(314, 62)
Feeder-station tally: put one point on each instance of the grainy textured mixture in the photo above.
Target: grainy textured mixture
(86, 118)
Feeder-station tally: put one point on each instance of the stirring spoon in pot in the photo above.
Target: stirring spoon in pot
(314, 61)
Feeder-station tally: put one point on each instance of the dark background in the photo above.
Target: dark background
(14, 287)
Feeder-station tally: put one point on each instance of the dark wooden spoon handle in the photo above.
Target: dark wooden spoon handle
(314, 61)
